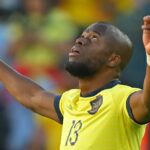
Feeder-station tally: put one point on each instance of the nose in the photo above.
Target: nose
(80, 41)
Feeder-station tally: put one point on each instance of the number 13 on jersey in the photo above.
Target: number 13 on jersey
(73, 134)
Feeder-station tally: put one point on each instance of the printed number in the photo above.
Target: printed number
(73, 133)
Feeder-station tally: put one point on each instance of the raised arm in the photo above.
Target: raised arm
(27, 92)
(140, 101)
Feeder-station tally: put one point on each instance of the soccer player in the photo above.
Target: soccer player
(102, 114)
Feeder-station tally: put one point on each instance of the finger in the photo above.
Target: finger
(146, 20)
(146, 27)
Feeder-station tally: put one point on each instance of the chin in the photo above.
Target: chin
(80, 70)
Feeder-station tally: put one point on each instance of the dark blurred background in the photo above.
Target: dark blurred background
(35, 36)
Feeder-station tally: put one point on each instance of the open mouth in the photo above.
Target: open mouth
(74, 52)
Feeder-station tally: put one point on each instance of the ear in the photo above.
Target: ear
(114, 60)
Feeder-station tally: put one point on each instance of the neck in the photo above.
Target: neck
(91, 84)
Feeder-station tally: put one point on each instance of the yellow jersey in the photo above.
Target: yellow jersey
(102, 120)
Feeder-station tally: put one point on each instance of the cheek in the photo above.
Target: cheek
(91, 60)
(96, 59)
(93, 54)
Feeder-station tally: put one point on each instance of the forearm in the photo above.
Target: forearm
(146, 90)
(146, 41)
(22, 88)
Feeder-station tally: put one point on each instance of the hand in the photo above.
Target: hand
(146, 34)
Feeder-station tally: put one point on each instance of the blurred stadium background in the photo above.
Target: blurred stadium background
(34, 38)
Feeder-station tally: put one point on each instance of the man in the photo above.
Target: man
(102, 114)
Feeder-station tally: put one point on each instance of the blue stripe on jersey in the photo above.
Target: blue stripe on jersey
(107, 86)
(129, 110)
(56, 105)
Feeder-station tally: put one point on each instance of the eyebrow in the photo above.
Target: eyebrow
(94, 33)
(98, 33)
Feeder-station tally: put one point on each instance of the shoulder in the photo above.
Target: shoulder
(123, 90)
(61, 101)
(120, 92)
(72, 93)
(69, 95)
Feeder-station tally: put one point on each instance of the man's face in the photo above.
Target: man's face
(89, 53)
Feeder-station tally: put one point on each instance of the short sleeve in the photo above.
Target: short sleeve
(128, 107)
(122, 96)
(57, 102)
(128, 110)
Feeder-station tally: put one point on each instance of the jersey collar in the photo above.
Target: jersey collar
(107, 86)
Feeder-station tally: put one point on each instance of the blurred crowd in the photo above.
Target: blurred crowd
(35, 36)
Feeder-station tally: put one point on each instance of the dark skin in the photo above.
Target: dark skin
(90, 46)
(90, 40)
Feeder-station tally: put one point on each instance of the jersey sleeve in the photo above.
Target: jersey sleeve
(61, 102)
(127, 111)
(122, 97)
(58, 106)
